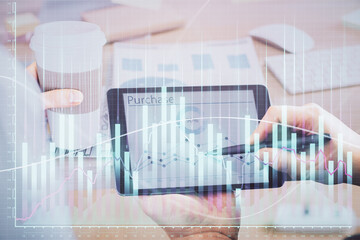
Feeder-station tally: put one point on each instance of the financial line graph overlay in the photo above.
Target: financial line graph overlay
(140, 165)
(342, 166)
(93, 179)
(164, 159)
(67, 153)
(329, 167)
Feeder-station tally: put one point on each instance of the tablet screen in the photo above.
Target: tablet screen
(172, 137)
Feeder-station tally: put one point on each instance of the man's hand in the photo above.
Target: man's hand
(60, 98)
(191, 211)
(307, 117)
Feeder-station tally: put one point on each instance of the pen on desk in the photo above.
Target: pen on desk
(301, 144)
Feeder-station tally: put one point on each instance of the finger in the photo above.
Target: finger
(265, 126)
(301, 118)
(62, 98)
(32, 69)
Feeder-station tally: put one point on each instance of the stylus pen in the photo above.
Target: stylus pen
(302, 143)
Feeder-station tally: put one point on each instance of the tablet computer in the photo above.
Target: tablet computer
(162, 137)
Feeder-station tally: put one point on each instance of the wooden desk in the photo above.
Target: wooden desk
(225, 20)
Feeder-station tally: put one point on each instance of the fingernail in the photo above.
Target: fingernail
(75, 97)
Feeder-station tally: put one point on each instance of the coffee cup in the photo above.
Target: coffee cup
(69, 56)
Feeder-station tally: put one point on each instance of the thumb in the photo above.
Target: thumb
(62, 98)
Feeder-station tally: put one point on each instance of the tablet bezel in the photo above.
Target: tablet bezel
(117, 116)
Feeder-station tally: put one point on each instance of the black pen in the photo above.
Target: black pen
(302, 143)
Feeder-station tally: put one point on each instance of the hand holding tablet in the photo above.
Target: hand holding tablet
(162, 147)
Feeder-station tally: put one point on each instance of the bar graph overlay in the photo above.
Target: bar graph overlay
(63, 187)
(170, 144)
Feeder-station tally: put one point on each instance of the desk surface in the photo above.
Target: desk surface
(224, 20)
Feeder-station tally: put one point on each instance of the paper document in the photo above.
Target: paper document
(189, 64)
(194, 64)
